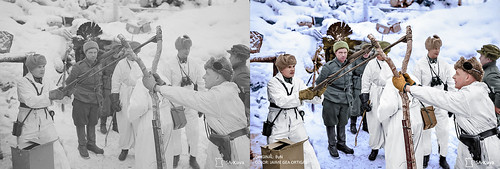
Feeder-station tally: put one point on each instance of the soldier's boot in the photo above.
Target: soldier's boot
(91, 145)
(332, 141)
(341, 140)
(373, 155)
(115, 124)
(82, 142)
(193, 163)
(123, 155)
(426, 161)
(353, 124)
(104, 130)
(176, 160)
(365, 125)
(443, 163)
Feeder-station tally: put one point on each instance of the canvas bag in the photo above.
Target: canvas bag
(178, 116)
(428, 116)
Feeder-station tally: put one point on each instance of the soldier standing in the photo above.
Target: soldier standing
(435, 72)
(489, 55)
(372, 85)
(123, 81)
(186, 72)
(87, 100)
(338, 99)
(239, 56)
(356, 81)
(226, 125)
(474, 113)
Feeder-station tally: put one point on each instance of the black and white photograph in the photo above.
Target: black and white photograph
(90, 84)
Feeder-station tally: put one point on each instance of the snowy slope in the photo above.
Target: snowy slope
(463, 30)
(213, 29)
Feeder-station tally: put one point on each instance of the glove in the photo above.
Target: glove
(409, 80)
(364, 97)
(450, 114)
(399, 82)
(200, 114)
(158, 80)
(320, 91)
(306, 94)
(115, 102)
(149, 82)
(56, 94)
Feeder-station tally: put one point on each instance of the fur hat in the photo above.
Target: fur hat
(433, 42)
(471, 66)
(490, 51)
(220, 65)
(284, 60)
(340, 45)
(32, 61)
(90, 45)
(183, 42)
(241, 51)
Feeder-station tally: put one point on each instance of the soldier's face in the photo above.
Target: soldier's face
(211, 78)
(462, 78)
(91, 54)
(433, 53)
(288, 71)
(341, 55)
(38, 71)
(183, 53)
(483, 59)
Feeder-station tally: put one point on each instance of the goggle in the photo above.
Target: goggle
(217, 66)
(385, 30)
(468, 66)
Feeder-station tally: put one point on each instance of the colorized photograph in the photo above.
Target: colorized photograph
(374, 84)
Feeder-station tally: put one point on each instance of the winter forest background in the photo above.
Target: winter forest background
(463, 30)
(37, 27)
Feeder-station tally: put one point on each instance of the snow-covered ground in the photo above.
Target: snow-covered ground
(463, 30)
(213, 30)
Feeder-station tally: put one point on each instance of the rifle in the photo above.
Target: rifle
(331, 78)
(410, 153)
(157, 132)
(106, 56)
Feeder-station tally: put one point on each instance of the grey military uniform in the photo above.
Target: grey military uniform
(338, 95)
(356, 80)
(492, 78)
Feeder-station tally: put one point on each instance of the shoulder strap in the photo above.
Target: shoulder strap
(37, 93)
(287, 92)
(187, 75)
(276, 116)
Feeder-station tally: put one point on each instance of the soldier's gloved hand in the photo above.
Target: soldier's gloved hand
(320, 91)
(158, 80)
(149, 82)
(399, 82)
(450, 114)
(115, 102)
(365, 106)
(56, 94)
(200, 114)
(306, 94)
(408, 79)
